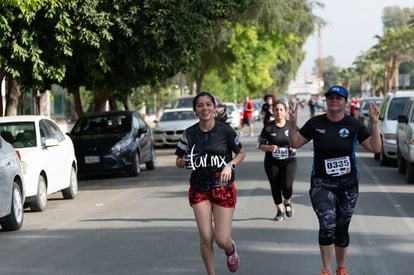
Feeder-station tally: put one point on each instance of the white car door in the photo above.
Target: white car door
(57, 154)
(5, 174)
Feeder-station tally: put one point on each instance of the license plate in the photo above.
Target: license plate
(91, 159)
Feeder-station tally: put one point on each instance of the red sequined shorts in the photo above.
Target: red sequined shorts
(224, 196)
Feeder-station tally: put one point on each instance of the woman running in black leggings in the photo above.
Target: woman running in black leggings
(280, 161)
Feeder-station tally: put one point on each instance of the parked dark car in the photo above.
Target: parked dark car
(113, 142)
(11, 188)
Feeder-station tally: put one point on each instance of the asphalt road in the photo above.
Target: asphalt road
(144, 225)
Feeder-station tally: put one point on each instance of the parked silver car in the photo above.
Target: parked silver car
(405, 141)
(364, 109)
(171, 125)
(11, 188)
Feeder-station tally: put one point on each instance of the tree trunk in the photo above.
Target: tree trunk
(78, 102)
(12, 97)
(36, 99)
(387, 76)
(371, 80)
(100, 101)
(199, 81)
(2, 98)
(2, 77)
(395, 72)
(112, 104)
(127, 103)
(42, 106)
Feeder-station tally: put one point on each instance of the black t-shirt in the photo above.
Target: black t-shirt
(210, 152)
(274, 135)
(268, 116)
(334, 145)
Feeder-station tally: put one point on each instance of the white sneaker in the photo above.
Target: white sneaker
(251, 135)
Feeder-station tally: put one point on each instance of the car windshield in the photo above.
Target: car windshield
(397, 106)
(172, 116)
(230, 108)
(104, 124)
(19, 134)
(365, 104)
(186, 102)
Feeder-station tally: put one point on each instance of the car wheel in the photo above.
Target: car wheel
(383, 159)
(409, 175)
(401, 163)
(136, 168)
(150, 165)
(40, 201)
(377, 155)
(71, 192)
(15, 220)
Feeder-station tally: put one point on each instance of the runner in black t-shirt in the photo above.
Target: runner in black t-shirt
(267, 110)
(280, 161)
(334, 179)
(211, 149)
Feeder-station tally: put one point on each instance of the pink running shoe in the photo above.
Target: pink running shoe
(325, 272)
(233, 260)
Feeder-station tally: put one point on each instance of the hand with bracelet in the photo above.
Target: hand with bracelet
(226, 172)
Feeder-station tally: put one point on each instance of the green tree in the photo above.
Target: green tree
(19, 51)
(40, 40)
(153, 41)
(395, 45)
(264, 42)
(108, 47)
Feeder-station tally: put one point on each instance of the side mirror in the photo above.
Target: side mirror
(141, 131)
(50, 142)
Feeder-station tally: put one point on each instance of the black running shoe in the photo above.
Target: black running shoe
(280, 216)
(289, 210)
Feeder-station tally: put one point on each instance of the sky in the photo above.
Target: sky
(351, 29)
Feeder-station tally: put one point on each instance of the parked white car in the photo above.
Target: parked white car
(11, 188)
(233, 115)
(47, 157)
(258, 103)
(391, 107)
